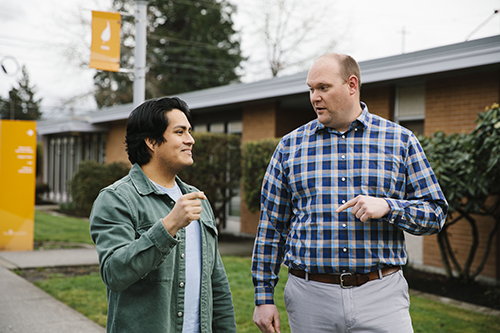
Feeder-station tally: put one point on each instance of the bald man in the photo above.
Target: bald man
(337, 195)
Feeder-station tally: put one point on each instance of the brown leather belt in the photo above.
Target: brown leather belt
(346, 280)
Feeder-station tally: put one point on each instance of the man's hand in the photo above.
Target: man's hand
(267, 318)
(186, 210)
(366, 207)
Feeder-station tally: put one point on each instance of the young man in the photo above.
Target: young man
(156, 236)
(336, 198)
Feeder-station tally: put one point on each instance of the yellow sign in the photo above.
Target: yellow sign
(105, 47)
(17, 189)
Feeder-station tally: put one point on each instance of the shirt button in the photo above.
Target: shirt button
(179, 314)
(343, 156)
(344, 249)
(343, 179)
(343, 136)
(343, 201)
(181, 284)
(355, 129)
(182, 256)
(344, 225)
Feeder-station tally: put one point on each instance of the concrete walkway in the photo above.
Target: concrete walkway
(24, 308)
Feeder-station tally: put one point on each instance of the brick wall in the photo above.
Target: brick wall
(452, 104)
(290, 119)
(380, 100)
(115, 143)
(259, 122)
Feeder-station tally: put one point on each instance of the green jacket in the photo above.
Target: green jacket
(142, 265)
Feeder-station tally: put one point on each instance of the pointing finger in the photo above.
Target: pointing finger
(346, 205)
(196, 195)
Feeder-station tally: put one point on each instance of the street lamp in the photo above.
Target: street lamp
(9, 65)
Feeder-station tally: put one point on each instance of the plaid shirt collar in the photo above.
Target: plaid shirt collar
(361, 122)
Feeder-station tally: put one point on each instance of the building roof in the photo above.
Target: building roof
(67, 125)
(471, 54)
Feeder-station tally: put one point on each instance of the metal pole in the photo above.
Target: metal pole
(140, 52)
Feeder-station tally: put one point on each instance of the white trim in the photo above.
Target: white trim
(55, 127)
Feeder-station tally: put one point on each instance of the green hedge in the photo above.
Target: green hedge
(90, 178)
(216, 169)
(256, 157)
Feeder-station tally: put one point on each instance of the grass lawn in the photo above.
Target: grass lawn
(58, 228)
(87, 293)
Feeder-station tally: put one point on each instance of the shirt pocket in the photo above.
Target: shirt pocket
(381, 175)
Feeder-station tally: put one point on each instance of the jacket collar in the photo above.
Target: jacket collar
(144, 186)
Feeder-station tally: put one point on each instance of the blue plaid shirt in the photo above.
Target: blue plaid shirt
(313, 171)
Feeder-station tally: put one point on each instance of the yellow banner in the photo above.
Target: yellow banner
(17, 184)
(105, 46)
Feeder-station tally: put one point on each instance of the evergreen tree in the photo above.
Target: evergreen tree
(191, 45)
(21, 104)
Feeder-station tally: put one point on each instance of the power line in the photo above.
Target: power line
(482, 25)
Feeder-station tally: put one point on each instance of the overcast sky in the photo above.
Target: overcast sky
(49, 39)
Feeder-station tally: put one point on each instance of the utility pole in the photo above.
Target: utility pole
(140, 52)
(403, 39)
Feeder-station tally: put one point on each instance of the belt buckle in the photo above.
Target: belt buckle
(342, 280)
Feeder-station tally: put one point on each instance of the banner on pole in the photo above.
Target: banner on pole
(105, 46)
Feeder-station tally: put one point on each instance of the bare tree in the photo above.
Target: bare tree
(295, 32)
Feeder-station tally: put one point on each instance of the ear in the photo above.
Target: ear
(353, 84)
(149, 142)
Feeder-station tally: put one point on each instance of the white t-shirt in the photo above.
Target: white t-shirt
(193, 269)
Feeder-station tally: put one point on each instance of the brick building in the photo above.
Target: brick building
(442, 88)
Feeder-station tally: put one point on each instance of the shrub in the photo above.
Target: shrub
(216, 169)
(40, 190)
(256, 157)
(90, 178)
(467, 167)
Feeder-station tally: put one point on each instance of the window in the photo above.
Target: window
(229, 127)
(65, 152)
(217, 128)
(200, 128)
(410, 107)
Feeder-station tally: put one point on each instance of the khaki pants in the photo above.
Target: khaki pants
(377, 306)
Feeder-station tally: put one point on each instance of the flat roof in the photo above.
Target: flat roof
(67, 125)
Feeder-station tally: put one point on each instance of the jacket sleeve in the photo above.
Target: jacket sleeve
(125, 253)
(223, 320)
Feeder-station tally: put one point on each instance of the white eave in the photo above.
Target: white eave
(55, 126)
(476, 53)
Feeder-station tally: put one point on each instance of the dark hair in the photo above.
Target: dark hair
(149, 120)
